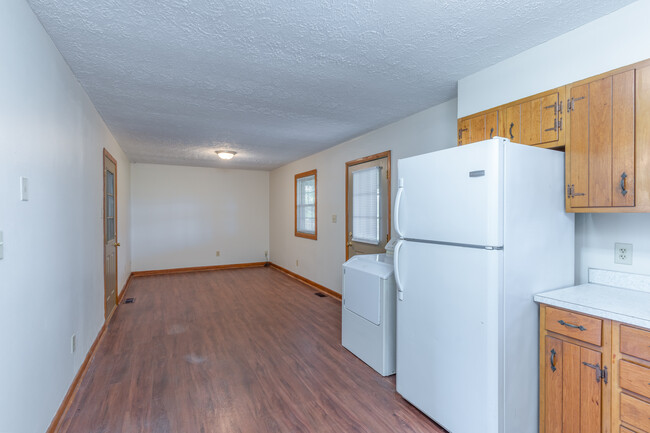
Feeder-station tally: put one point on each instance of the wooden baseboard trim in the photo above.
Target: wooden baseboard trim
(197, 269)
(332, 293)
(74, 386)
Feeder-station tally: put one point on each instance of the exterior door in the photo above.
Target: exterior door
(110, 234)
(367, 205)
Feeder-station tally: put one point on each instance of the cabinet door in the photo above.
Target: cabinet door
(572, 395)
(623, 139)
(600, 156)
(477, 129)
(531, 122)
(463, 131)
(600, 143)
(513, 123)
(553, 386)
(577, 155)
(550, 118)
(492, 124)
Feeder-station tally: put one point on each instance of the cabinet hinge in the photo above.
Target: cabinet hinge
(571, 103)
(559, 122)
(571, 191)
(600, 373)
(557, 107)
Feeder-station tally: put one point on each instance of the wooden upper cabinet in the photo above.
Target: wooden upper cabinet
(536, 121)
(478, 127)
(607, 150)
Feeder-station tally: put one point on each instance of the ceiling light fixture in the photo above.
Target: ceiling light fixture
(225, 154)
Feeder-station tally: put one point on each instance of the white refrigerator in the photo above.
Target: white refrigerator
(482, 229)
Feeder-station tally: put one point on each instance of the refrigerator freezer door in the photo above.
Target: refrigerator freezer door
(453, 195)
(448, 331)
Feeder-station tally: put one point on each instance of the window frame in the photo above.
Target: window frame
(313, 236)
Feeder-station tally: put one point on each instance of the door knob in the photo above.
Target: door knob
(117, 244)
(349, 244)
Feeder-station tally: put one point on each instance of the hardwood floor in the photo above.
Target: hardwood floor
(248, 351)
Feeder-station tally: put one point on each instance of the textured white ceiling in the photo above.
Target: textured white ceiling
(277, 80)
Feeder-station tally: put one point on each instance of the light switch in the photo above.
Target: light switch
(333, 218)
(24, 189)
(2, 246)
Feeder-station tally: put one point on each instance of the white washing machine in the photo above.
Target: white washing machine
(368, 311)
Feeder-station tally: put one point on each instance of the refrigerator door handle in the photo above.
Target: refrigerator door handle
(398, 199)
(398, 281)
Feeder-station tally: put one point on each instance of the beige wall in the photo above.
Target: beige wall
(321, 260)
(181, 216)
(51, 277)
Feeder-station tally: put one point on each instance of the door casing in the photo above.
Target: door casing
(348, 166)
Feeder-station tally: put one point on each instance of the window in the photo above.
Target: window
(366, 205)
(305, 205)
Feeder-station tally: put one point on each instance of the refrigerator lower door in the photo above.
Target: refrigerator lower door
(448, 327)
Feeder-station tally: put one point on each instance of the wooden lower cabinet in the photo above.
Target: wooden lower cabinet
(631, 376)
(592, 383)
(574, 374)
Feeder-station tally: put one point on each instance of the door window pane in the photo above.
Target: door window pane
(366, 205)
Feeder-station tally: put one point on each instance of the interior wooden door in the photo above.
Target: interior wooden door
(110, 234)
(359, 173)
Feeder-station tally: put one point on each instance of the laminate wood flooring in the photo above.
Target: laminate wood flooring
(250, 351)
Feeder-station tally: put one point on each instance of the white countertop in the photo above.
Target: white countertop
(615, 303)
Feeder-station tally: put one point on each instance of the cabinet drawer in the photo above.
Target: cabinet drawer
(574, 325)
(635, 378)
(635, 342)
(635, 412)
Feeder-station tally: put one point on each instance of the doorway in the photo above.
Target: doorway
(367, 208)
(110, 234)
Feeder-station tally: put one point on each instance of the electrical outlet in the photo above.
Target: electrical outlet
(296, 262)
(623, 254)
(333, 218)
(73, 343)
(218, 253)
(266, 255)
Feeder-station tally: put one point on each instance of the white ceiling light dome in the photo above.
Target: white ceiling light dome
(226, 154)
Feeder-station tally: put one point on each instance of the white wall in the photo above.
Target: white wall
(51, 277)
(612, 41)
(615, 40)
(181, 216)
(321, 260)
